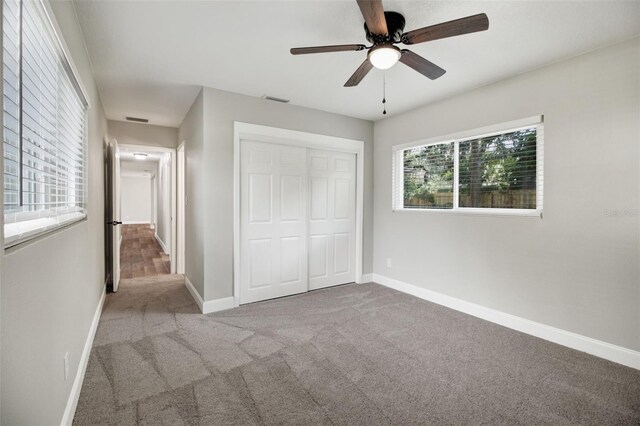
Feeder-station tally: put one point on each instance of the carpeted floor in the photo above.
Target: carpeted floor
(140, 253)
(355, 354)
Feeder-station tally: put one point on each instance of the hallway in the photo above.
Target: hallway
(140, 253)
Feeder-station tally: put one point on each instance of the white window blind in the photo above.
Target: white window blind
(487, 170)
(44, 127)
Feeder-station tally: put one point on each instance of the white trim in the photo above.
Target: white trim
(476, 212)
(174, 211)
(209, 306)
(136, 222)
(172, 195)
(164, 247)
(181, 209)
(258, 133)
(595, 347)
(217, 305)
(74, 396)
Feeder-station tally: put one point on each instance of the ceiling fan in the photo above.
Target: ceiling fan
(386, 29)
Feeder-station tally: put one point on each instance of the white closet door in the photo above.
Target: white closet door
(273, 215)
(332, 218)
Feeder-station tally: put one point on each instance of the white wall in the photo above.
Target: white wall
(578, 268)
(163, 228)
(191, 131)
(51, 286)
(143, 134)
(136, 198)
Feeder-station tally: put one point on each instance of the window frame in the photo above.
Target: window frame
(24, 230)
(397, 184)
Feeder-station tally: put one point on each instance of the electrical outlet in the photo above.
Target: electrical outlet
(66, 366)
(388, 262)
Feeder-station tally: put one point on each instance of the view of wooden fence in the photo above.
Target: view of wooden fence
(518, 199)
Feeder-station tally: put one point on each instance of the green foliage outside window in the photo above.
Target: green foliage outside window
(428, 177)
(494, 172)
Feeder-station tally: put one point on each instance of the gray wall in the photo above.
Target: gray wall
(214, 168)
(143, 134)
(191, 132)
(576, 269)
(51, 286)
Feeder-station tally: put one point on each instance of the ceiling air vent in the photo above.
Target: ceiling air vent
(137, 120)
(271, 98)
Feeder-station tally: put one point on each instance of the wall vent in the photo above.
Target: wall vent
(272, 98)
(137, 120)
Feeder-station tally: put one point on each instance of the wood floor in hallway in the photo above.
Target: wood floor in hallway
(140, 253)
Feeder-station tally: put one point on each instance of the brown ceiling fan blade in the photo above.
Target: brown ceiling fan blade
(360, 73)
(325, 49)
(373, 14)
(470, 24)
(420, 64)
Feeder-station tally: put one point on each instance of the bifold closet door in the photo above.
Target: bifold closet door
(332, 218)
(273, 221)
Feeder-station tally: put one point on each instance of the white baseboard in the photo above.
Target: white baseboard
(210, 305)
(194, 293)
(601, 349)
(217, 305)
(74, 396)
(134, 222)
(164, 247)
(367, 278)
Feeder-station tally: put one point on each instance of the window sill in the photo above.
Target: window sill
(19, 232)
(476, 212)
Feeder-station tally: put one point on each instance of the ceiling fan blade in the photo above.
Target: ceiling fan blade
(360, 73)
(470, 24)
(325, 49)
(373, 14)
(420, 64)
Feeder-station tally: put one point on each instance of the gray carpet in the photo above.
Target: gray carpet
(354, 354)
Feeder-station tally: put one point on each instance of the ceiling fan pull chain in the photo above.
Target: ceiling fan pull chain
(384, 93)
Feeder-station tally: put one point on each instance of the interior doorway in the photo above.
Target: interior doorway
(146, 203)
(142, 211)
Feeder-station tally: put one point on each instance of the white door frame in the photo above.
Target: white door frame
(258, 133)
(181, 187)
(172, 152)
(116, 215)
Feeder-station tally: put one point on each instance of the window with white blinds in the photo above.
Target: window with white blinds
(483, 171)
(44, 127)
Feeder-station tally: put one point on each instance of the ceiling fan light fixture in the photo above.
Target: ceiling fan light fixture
(384, 56)
(139, 155)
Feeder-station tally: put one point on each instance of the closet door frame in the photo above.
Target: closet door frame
(258, 133)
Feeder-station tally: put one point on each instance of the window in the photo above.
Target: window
(44, 127)
(490, 170)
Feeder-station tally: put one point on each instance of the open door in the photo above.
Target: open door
(181, 204)
(113, 230)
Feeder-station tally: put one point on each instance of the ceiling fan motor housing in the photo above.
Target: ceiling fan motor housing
(395, 25)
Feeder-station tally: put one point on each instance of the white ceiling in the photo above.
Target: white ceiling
(151, 57)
